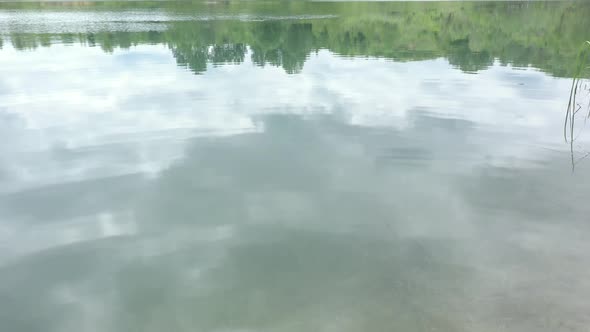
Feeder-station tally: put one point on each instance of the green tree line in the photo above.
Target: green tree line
(545, 35)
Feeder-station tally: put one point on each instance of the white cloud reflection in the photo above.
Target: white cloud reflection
(72, 98)
(370, 193)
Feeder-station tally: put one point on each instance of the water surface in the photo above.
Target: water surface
(291, 166)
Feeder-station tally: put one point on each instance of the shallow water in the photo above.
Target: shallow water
(299, 166)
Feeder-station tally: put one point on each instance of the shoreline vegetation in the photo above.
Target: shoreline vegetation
(471, 35)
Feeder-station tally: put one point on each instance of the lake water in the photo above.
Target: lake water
(292, 166)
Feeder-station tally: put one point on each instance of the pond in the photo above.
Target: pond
(292, 166)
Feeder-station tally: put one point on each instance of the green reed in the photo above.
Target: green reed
(580, 84)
